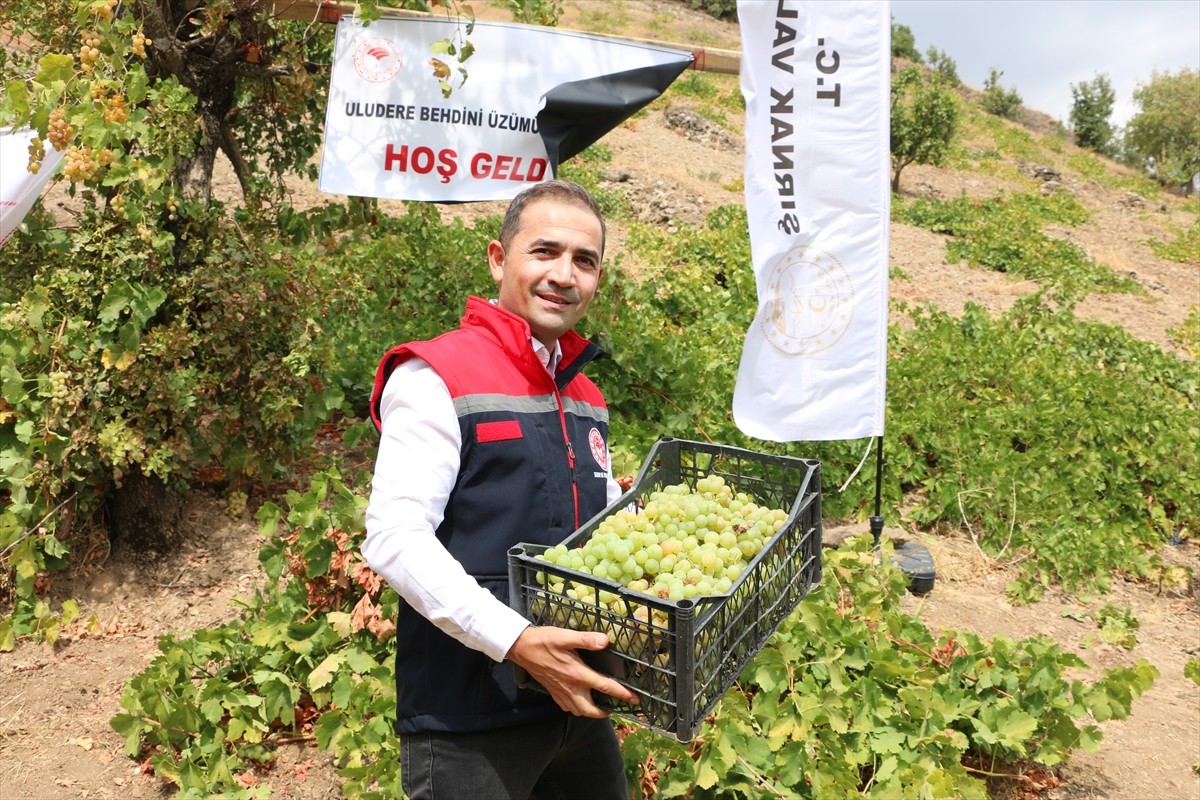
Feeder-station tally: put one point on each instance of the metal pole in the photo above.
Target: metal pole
(877, 519)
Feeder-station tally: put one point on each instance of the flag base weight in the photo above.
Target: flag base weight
(913, 559)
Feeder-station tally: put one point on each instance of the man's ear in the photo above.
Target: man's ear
(496, 260)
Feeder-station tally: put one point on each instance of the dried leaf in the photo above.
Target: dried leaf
(441, 70)
(382, 628)
(363, 614)
(366, 577)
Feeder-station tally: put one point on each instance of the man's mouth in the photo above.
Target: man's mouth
(556, 299)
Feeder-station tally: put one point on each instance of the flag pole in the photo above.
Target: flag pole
(912, 557)
(877, 519)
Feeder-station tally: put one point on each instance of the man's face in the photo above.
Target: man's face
(549, 272)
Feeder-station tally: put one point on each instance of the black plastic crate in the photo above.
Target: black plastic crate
(680, 669)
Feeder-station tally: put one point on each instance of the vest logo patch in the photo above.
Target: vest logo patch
(599, 451)
(497, 431)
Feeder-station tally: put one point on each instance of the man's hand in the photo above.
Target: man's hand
(549, 656)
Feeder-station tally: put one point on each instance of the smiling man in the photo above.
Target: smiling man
(490, 436)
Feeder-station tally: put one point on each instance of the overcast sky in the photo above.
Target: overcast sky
(1044, 46)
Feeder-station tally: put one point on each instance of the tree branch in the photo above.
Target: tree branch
(167, 51)
(242, 69)
(241, 169)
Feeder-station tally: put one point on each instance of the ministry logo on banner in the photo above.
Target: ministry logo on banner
(816, 78)
(533, 98)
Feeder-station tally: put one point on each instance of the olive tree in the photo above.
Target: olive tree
(1091, 114)
(1164, 135)
(904, 44)
(925, 116)
(998, 100)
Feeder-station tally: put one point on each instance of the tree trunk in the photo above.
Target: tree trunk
(144, 514)
(206, 63)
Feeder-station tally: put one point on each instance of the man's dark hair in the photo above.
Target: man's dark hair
(561, 191)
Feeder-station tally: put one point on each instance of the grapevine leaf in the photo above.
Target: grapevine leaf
(55, 68)
(886, 769)
(888, 740)
(116, 299)
(130, 727)
(136, 84)
(706, 775)
(1191, 670)
(1090, 738)
(212, 710)
(1016, 727)
(17, 97)
(340, 622)
(320, 677)
(326, 728)
(771, 673)
(359, 661)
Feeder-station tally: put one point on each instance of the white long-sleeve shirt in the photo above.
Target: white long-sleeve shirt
(415, 470)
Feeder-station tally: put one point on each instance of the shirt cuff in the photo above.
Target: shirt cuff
(501, 633)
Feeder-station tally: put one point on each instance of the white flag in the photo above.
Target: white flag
(533, 97)
(20, 188)
(816, 78)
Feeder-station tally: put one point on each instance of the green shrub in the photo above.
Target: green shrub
(850, 696)
(1004, 233)
(998, 100)
(721, 9)
(1184, 248)
(413, 274)
(1046, 436)
(175, 373)
(1187, 333)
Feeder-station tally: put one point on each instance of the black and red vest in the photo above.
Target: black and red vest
(534, 469)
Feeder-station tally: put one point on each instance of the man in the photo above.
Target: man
(490, 435)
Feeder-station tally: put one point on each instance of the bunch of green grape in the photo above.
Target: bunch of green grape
(683, 543)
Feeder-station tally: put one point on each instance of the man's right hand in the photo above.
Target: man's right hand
(550, 656)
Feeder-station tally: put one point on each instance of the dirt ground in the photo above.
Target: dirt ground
(55, 702)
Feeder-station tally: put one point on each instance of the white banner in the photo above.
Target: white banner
(390, 133)
(816, 78)
(20, 188)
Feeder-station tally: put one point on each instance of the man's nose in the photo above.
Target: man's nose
(562, 271)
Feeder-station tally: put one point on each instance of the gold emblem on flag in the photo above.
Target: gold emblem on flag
(807, 302)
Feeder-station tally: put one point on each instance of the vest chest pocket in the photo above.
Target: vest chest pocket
(500, 431)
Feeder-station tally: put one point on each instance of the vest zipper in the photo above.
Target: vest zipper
(574, 483)
(562, 420)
